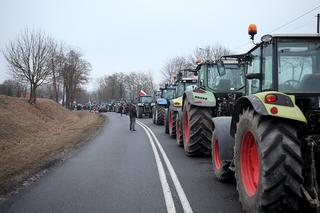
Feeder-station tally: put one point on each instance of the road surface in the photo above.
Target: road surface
(124, 171)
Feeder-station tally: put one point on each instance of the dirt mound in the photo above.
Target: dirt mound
(20, 120)
(31, 134)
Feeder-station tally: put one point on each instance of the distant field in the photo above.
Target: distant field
(30, 136)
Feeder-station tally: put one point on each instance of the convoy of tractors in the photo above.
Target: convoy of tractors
(258, 115)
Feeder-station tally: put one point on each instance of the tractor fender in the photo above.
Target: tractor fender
(176, 103)
(286, 108)
(226, 142)
(199, 97)
(162, 101)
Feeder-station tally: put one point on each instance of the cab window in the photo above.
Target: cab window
(267, 67)
(254, 67)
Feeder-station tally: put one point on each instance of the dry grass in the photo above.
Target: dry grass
(31, 135)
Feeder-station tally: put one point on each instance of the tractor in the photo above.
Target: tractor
(214, 96)
(273, 142)
(144, 106)
(165, 95)
(176, 104)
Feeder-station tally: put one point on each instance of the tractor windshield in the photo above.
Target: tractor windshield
(182, 87)
(232, 80)
(299, 67)
(146, 99)
(169, 94)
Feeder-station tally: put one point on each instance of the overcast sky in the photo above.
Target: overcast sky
(140, 35)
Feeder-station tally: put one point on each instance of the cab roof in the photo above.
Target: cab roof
(295, 35)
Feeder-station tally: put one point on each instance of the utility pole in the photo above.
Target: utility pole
(318, 23)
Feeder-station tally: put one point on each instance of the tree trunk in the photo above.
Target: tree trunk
(63, 94)
(33, 96)
(68, 97)
(55, 85)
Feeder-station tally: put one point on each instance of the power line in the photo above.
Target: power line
(284, 25)
(295, 19)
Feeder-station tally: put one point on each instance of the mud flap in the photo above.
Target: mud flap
(226, 142)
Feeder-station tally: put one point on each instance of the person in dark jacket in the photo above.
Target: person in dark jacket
(132, 115)
(121, 109)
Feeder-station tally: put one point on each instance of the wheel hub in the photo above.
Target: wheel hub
(249, 163)
(217, 161)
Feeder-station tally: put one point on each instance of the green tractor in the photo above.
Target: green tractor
(214, 96)
(275, 128)
(176, 104)
(144, 106)
(165, 95)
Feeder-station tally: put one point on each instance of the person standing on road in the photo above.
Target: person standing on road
(121, 109)
(132, 115)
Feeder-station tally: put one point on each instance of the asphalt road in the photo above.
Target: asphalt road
(124, 171)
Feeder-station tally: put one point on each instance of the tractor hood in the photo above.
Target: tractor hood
(177, 102)
(199, 97)
(162, 101)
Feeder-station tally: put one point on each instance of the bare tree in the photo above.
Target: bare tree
(56, 64)
(12, 88)
(208, 52)
(28, 58)
(75, 73)
(124, 86)
(172, 66)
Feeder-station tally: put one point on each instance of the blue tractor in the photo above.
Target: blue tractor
(158, 111)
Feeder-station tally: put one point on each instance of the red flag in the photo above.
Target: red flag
(142, 93)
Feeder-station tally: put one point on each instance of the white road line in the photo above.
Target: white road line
(182, 196)
(163, 179)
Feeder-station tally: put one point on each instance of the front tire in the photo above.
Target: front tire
(197, 130)
(268, 164)
(159, 115)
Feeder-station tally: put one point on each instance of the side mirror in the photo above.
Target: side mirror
(221, 68)
(201, 83)
(251, 76)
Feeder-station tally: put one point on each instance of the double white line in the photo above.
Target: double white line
(163, 178)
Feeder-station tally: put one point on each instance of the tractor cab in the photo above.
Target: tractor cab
(168, 92)
(222, 76)
(145, 99)
(184, 84)
(223, 82)
(288, 64)
(285, 63)
(275, 126)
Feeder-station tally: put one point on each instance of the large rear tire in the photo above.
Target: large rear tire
(159, 115)
(172, 124)
(268, 164)
(220, 167)
(197, 130)
(166, 121)
(179, 132)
